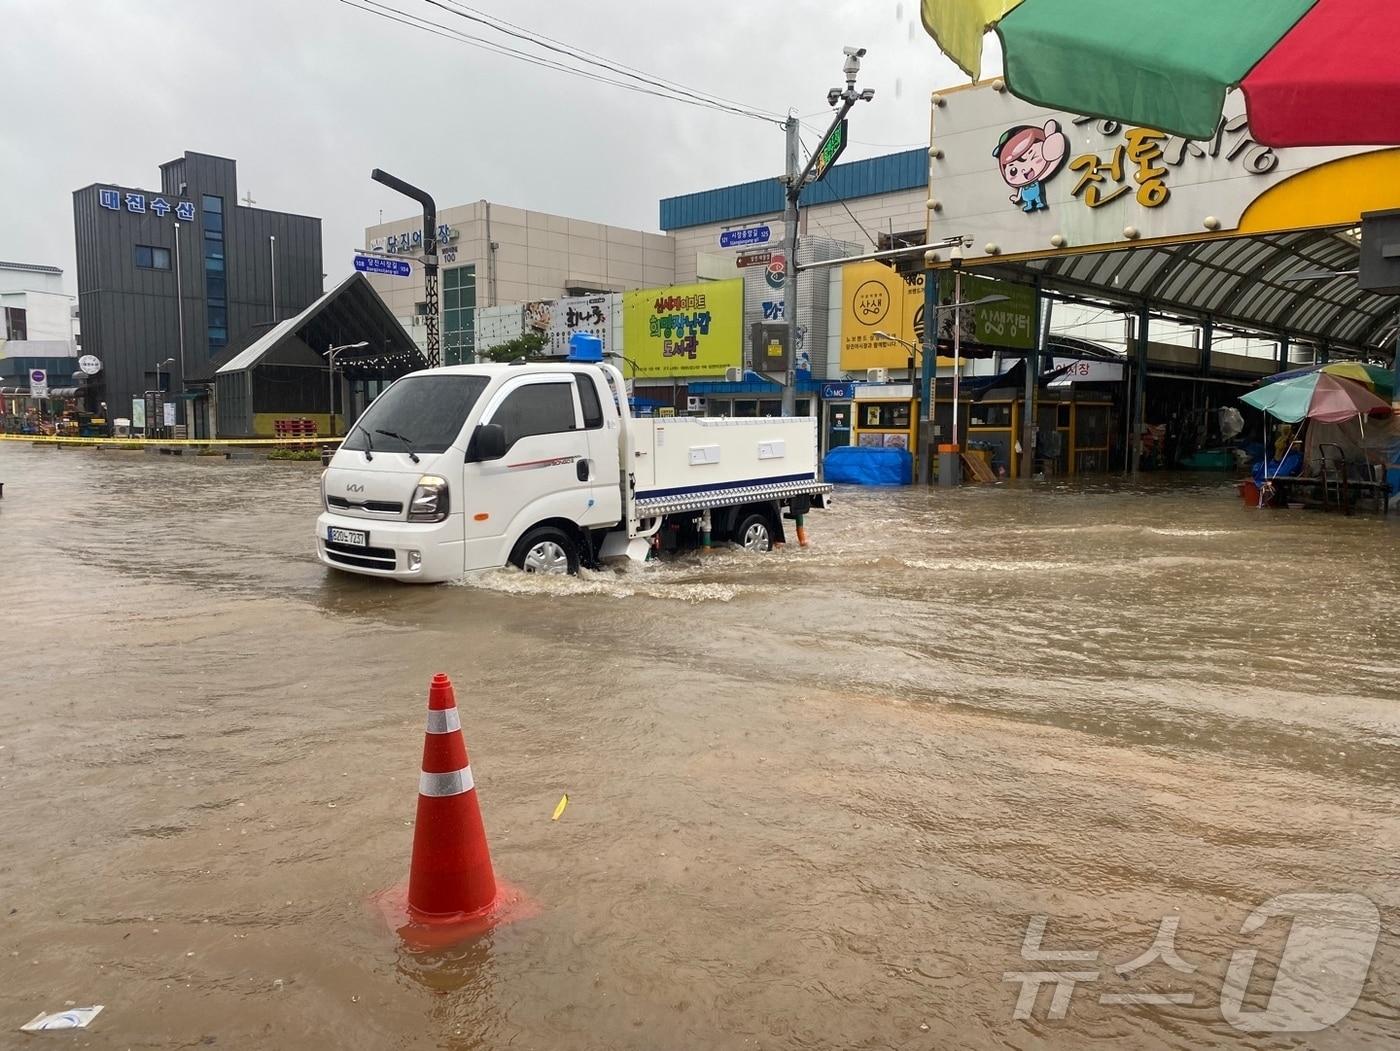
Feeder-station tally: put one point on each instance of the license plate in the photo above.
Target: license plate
(353, 537)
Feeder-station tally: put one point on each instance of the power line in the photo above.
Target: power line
(437, 29)
(497, 23)
(586, 57)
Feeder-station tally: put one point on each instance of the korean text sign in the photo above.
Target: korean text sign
(684, 330)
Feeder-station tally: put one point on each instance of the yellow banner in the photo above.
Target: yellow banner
(684, 330)
(878, 300)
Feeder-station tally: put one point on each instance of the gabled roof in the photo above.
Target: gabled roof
(348, 313)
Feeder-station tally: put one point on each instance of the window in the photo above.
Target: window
(148, 257)
(16, 323)
(215, 283)
(588, 398)
(536, 408)
(427, 410)
(458, 315)
(884, 416)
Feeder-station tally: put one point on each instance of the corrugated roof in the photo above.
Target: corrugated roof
(1238, 282)
(845, 182)
(32, 268)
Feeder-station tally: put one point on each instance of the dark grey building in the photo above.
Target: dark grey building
(183, 273)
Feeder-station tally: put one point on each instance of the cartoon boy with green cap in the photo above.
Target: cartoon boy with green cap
(1029, 158)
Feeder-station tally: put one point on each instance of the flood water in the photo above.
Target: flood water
(816, 797)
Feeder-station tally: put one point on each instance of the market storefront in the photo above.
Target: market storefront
(1225, 238)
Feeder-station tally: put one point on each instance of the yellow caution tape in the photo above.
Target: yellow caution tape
(138, 443)
(560, 808)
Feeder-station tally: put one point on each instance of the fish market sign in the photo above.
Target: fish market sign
(137, 203)
(1021, 180)
(412, 240)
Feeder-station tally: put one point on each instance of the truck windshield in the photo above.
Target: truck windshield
(429, 409)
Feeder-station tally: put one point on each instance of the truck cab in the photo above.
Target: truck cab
(456, 470)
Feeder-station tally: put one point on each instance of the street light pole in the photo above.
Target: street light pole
(929, 351)
(430, 258)
(331, 352)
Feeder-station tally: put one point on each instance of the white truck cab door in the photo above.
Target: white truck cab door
(604, 465)
(542, 475)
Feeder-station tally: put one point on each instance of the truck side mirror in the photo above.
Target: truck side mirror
(488, 443)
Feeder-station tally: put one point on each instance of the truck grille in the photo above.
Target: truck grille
(382, 558)
(379, 507)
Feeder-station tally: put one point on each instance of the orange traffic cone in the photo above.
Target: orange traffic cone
(452, 892)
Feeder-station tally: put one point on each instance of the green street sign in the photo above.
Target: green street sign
(831, 149)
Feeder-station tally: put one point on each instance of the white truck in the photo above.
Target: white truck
(456, 470)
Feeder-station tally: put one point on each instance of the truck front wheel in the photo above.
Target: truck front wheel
(546, 549)
(754, 533)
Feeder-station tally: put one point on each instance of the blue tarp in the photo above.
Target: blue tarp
(866, 465)
(1292, 464)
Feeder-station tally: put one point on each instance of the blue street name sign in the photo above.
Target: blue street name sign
(749, 235)
(370, 265)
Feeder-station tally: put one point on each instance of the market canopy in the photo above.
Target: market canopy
(348, 313)
(1315, 72)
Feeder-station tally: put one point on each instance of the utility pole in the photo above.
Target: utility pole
(794, 162)
(430, 259)
(832, 146)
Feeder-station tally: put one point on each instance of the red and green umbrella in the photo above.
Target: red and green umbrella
(1379, 381)
(1313, 72)
(1315, 396)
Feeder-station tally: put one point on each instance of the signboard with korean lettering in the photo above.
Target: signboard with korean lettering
(368, 264)
(1008, 324)
(1023, 180)
(557, 320)
(684, 330)
(746, 237)
(142, 202)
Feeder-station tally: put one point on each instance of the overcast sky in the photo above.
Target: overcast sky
(310, 95)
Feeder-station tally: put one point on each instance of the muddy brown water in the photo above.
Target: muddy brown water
(815, 797)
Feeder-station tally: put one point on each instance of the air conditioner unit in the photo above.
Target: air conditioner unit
(877, 375)
(733, 375)
(417, 320)
(694, 404)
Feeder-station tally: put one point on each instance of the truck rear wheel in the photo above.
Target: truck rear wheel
(754, 533)
(546, 550)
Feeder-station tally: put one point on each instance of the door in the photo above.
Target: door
(543, 473)
(838, 424)
(603, 466)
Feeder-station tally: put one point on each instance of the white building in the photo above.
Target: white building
(38, 325)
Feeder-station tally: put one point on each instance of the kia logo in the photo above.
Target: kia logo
(354, 487)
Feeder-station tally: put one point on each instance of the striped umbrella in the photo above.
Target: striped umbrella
(1379, 381)
(1313, 72)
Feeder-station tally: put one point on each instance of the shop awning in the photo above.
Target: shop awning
(1237, 282)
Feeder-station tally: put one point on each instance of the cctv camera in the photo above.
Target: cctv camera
(867, 94)
(854, 52)
(957, 252)
(833, 96)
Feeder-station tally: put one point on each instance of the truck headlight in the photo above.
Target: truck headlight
(430, 501)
